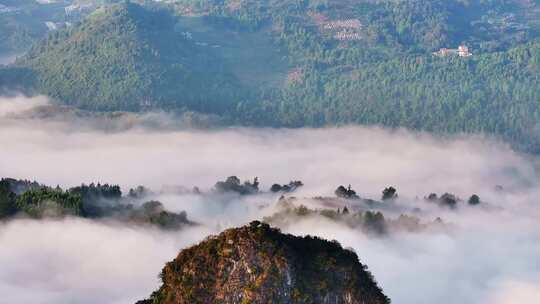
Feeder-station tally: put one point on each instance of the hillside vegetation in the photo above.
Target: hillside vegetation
(23, 22)
(22, 198)
(130, 58)
(304, 63)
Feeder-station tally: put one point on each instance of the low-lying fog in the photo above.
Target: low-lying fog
(490, 255)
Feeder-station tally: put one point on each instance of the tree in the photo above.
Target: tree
(347, 193)
(276, 188)
(232, 180)
(41, 202)
(139, 192)
(448, 200)
(7, 200)
(254, 185)
(474, 200)
(291, 187)
(232, 184)
(154, 212)
(302, 210)
(389, 193)
(432, 197)
(96, 198)
(374, 222)
(152, 207)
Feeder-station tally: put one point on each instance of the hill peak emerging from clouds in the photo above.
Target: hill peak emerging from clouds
(259, 264)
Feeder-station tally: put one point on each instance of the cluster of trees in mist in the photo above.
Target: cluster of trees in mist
(446, 200)
(101, 201)
(389, 193)
(233, 184)
(20, 198)
(369, 221)
(450, 200)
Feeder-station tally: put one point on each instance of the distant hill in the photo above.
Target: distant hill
(259, 264)
(23, 22)
(286, 63)
(130, 58)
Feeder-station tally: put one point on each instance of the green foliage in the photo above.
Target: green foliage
(126, 57)
(23, 22)
(291, 187)
(474, 200)
(20, 26)
(374, 222)
(390, 78)
(98, 191)
(448, 200)
(95, 201)
(347, 193)
(389, 193)
(45, 201)
(7, 200)
(17, 79)
(492, 93)
(18, 186)
(139, 192)
(272, 63)
(371, 222)
(232, 184)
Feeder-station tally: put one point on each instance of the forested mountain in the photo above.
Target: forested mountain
(127, 57)
(304, 63)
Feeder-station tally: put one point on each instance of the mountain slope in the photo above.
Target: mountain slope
(258, 264)
(128, 57)
(496, 94)
(288, 63)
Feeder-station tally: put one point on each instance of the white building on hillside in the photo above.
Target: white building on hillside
(461, 51)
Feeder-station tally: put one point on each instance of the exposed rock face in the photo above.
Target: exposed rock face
(259, 264)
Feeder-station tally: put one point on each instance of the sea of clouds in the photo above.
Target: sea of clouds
(489, 256)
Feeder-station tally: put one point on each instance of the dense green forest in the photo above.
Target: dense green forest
(299, 63)
(129, 58)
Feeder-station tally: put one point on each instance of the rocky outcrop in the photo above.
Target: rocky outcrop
(259, 264)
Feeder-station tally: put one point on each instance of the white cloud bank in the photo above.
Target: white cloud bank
(490, 256)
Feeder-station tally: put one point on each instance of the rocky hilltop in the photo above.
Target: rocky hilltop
(259, 264)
